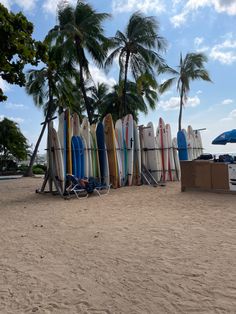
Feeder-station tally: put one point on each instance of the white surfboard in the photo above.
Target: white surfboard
(129, 140)
(176, 158)
(151, 149)
(119, 133)
(85, 132)
(162, 142)
(61, 130)
(75, 124)
(137, 157)
(171, 163)
(58, 161)
(142, 146)
(191, 143)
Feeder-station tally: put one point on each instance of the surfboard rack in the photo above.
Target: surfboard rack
(147, 177)
(50, 177)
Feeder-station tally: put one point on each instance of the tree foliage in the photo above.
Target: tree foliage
(79, 33)
(137, 50)
(13, 143)
(17, 47)
(190, 68)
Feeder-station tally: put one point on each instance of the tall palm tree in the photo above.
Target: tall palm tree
(79, 32)
(51, 87)
(137, 49)
(191, 68)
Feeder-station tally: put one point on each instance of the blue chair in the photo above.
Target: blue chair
(76, 187)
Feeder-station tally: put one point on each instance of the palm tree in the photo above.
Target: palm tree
(138, 96)
(79, 32)
(135, 50)
(51, 87)
(190, 68)
(97, 94)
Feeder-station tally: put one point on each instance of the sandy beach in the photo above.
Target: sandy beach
(136, 250)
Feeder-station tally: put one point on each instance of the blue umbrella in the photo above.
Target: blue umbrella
(226, 137)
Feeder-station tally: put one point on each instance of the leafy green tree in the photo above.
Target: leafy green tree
(13, 144)
(137, 50)
(51, 88)
(17, 47)
(79, 33)
(190, 68)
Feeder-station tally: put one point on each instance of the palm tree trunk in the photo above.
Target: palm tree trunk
(181, 107)
(29, 170)
(125, 82)
(80, 55)
(86, 101)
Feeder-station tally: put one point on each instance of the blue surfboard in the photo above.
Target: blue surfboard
(65, 152)
(81, 156)
(76, 161)
(182, 146)
(101, 149)
(74, 156)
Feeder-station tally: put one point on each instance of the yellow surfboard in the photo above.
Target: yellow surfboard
(111, 150)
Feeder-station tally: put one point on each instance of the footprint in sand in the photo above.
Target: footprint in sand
(85, 308)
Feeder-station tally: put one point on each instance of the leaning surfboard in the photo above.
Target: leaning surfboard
(102, 153)
(85, 132)
(111, 150)
(58, 163)
(182, 145)
(129, 139)
(137, 157)
(68, 142)
(151, 149)
(163, 146)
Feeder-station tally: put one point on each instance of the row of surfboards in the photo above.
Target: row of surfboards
(106, 152)
(115, 153)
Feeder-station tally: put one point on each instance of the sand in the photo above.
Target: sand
(136, 250)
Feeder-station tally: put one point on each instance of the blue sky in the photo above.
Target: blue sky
(208, 26)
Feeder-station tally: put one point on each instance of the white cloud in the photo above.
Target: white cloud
(220, 6)
(231, 116)
(26, 5)
(179, 19)
(173, 103)
(15, 119)
(50, 6)
(198, 41)
(14, 106)
(4, 85)
(99, 75)
(224, 52)
(145, 6)
(227, 101)
(6, 3)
